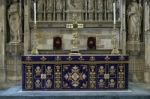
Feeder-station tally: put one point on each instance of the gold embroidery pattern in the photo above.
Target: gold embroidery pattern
(107, 58)
(101, 70)
(58, 58)
(43, 76)
(69, 58)
(37, 83)
(121, 76)
(92, 77)
(75, 77)
(112, 83)
(57, 76)
(43, 58)
(106, 76)
(75, 73)
(49, 71)
(101, 83)
(28, 58)
(48, 83)
(29, 77)
(92, 58)
(112, 70)
(81, 58)
(38, 71)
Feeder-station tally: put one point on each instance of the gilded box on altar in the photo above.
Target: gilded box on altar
(64, 72)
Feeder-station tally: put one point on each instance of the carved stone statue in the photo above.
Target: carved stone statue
(49, 9)
(91, 9)
(59, 8)
(14, 19)
(40, 9)
(59, 5)
(75, 8)
(134, 21)
(110, 9)
(75, 4)
(90, 4)
(100, 9)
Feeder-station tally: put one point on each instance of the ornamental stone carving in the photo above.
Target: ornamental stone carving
(14, 20)
(134, 20)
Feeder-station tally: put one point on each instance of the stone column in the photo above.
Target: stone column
(27, 35)
(2, 42)
(147, 40)
(147, 57)
(123, 26)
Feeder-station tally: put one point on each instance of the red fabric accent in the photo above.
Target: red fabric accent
(57, 43)
(91, 43)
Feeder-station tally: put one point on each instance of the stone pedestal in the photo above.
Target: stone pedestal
(147, 75)
(147, 40)
(2, 56)
(14, 51)
(2, 42)
(133, 47)
(147, 58)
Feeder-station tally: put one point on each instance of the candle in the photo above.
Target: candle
(34, 12)
(114, 10)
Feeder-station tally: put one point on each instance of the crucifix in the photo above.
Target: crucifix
(75, 26)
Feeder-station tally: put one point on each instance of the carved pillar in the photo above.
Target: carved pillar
(59, 9)
(2, 41)
(49, 9)
(91, 10)
(109, 10)
(40, 10)
(147, 40)
(123, 25)
(27, 36)
(100, 9)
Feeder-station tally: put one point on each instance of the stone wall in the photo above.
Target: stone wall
(103, 38)
(147, 40)
(2, 42)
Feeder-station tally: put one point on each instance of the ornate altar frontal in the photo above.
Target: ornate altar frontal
(64, 72)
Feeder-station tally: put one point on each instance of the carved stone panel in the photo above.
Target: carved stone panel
(103, 37)
(64, 10)
(14, 21)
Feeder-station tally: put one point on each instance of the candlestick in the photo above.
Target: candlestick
(114, 9)
(35, 13)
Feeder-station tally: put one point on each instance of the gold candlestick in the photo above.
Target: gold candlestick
(114, 41)
(34, 48)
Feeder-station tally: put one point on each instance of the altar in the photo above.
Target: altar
(74, 49)
(74, 72)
